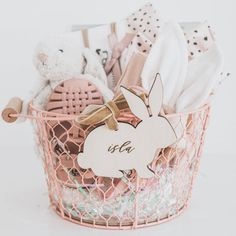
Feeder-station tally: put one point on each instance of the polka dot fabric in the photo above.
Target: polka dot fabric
(199, 40)
(141, 43)
(146, 25)
(145, 21)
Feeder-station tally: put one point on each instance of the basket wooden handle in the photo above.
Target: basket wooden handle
(13, 107)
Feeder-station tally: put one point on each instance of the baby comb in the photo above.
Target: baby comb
(72, 96)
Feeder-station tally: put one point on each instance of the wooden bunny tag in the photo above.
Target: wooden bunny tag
(108, 152)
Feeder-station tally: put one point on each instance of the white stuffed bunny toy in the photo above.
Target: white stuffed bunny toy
(61, 58)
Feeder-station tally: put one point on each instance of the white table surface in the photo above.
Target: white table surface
(25, 206)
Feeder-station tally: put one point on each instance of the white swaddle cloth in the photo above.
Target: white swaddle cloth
(174, 50)
(169, 57)
(202, 77)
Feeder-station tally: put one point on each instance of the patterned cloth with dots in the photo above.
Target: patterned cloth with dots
(199, 39)
(146, 25)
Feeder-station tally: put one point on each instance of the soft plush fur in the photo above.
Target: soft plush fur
(61, 58)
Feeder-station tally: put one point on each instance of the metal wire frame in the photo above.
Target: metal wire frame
(130, 202)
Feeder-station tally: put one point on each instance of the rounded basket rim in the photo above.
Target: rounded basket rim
(45, 115)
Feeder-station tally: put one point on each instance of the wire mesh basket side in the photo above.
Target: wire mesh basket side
(82, 197)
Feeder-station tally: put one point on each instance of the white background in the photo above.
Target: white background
(23, 200)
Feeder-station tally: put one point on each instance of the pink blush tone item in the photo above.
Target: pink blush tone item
(72, 96)
(145, 20)
(199, 39)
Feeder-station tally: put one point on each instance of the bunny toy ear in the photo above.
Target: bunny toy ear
(155, 96)
(136, 104)
(93, 66)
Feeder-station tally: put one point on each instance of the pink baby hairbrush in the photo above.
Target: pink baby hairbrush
(72, 96)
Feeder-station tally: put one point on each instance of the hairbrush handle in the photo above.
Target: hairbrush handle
(13, 107)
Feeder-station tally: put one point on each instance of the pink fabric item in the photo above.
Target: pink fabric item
(145, 21)
(143, 27)
(146, 25)
(199, 39)
(116, 70)
(117, 49)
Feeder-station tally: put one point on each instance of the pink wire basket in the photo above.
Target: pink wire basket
(78, 195)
